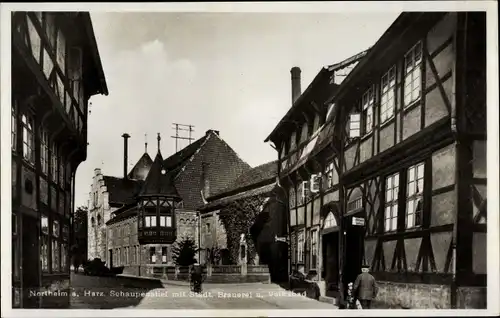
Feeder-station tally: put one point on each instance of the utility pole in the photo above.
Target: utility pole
(181, 127)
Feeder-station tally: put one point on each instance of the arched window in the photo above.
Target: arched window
(99, 220)
(330, 221)
(92, 222)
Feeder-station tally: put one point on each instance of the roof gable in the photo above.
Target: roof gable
(121, 191)
(141, 168)
(158, 181)
(252, 177)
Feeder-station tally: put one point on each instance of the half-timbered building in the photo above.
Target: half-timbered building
(56, 68)
(308, 171)
(411, 117)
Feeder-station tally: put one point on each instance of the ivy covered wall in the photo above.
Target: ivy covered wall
(237, 218)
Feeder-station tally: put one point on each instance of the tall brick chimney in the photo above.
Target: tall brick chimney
(125, 154)
(296, 90)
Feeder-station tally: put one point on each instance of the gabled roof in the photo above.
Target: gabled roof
(176, 160)
(122, 191)
(141, 168)
(159, 181)
(255, 176)
(256, 181)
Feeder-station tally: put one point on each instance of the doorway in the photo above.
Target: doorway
(330, 244)
(354, 244)
(30, 261)
(110, 258)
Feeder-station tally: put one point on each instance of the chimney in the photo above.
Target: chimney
(125, 154)
(296, 91)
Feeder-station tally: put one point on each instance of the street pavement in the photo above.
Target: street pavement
(108, 293)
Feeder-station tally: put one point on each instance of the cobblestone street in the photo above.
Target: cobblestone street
(108, 293)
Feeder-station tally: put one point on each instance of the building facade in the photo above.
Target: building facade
(56, 68)
(409, 152)
(308, 171)
(414, 161)
(206, 166)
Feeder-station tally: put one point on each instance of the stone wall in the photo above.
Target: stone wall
(471, 297)
(412, 296)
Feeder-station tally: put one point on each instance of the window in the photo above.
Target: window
(314, 248)
(61, 172)
(55, 256)
(331, 176)
(355, 204)
(53, 167)
(13, 124)
(164, 254)
(387, 100)
(28, 140)
(165, 221)
(291, 196)
(330, 221)
(152, 255)
(44, 150)
(367, 102)
(413, 62)
(150, 221)
(44, 252)
(65, 232)
(55, 228)
(414, 195)
(208, 227)
(64, 255)
(300, 247)
(391, 202)
(354, 125)
(45, 224)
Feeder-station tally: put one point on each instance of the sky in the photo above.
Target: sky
(224, 71)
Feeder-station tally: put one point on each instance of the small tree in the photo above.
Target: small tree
(184, 252)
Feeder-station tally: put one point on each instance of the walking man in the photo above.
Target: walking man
(365, 287)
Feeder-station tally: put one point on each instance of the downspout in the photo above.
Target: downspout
(459, 39)
(341, 253)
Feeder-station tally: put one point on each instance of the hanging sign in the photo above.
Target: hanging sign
(358, 221)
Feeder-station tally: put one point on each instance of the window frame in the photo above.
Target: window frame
(44, 150)
(414, 196)
(368, 111)
(314, 248)
(14, 128)
(387, 86)
(413, 63)
(54, 167)
(152, 255)
(300, 247)
(28, 129)
(357, 122)
(164, 255)
(391, 218)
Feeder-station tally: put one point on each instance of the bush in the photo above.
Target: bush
(184, 252)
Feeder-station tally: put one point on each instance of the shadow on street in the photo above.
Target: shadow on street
(92, 292)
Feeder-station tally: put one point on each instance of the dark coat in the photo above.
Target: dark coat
(365, 286)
